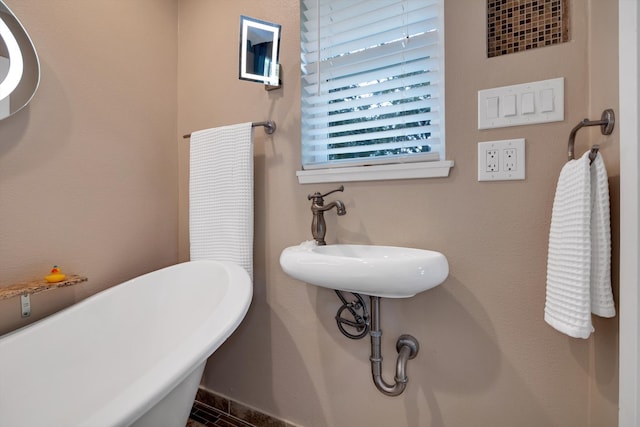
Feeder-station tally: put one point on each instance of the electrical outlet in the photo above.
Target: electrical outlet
(501, 160)
(492, 161)
(509, 159)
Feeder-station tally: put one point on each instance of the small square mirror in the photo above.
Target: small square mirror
(259, 46)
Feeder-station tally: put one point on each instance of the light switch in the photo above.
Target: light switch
(546, 100)
(528, 103)
(509, 106)
(492, 107)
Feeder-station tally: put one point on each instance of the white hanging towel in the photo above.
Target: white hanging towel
(601, 295)
(579, 249)
(221, 195)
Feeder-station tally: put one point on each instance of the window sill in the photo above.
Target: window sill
(438, 169)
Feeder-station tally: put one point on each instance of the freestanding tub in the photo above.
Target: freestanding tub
(130, 355)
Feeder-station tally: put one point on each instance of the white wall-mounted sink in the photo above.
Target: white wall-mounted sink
(384, 271)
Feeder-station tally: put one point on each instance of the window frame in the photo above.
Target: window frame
(404, 167)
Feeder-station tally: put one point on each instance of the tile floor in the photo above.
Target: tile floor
(213, 410)
(203, 415)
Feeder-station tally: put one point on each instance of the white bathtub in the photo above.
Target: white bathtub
(130, 355)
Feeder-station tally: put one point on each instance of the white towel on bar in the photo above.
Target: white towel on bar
(601, 294)
(577, 260)
(221, 195)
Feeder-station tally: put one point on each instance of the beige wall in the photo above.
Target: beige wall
(88, 172)
(89, 180)
(487, 358)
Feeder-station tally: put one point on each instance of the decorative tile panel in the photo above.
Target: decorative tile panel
(517, 25)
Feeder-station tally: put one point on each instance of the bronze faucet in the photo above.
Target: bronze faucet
(318, 225)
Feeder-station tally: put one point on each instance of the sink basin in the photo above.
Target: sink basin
(383, 271)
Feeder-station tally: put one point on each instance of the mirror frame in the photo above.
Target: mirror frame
(247, 23)
(23, 74)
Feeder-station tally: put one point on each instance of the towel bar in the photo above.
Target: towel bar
(269, 127)
(607, 122)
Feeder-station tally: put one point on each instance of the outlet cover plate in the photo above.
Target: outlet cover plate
(509, 164)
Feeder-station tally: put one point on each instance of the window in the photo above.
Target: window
(372, 85)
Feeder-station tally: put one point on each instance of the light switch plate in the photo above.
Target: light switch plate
(522, 104)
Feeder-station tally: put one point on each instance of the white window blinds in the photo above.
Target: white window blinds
(372, 74)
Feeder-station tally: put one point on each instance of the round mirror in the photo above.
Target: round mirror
(19, 64)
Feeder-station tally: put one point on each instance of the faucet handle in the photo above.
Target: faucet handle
(317, 194)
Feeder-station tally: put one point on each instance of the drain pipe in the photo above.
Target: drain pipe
(407, 347)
